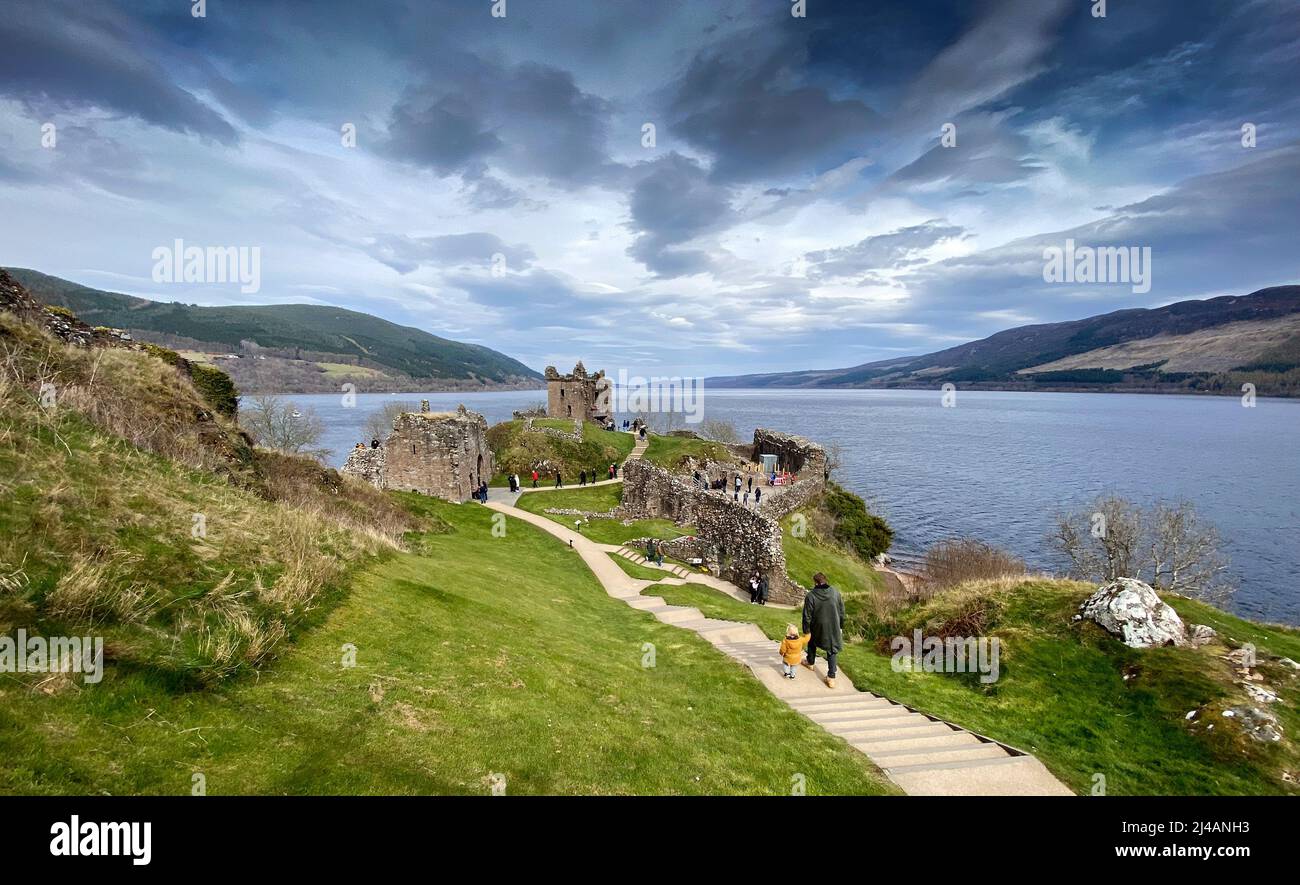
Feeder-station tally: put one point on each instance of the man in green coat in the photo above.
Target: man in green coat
(823, 617)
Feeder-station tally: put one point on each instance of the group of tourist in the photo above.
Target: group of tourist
(611, 472)
(743, 490)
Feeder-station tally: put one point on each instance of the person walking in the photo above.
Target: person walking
(823, 618)
(763, 588)
(534, 477)
(753, 589)
(582, 478)
(749, 484)
(791, 650)
(758, 497)
(559, 483)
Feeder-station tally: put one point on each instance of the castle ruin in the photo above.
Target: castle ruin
(443, 454)
(577, 395)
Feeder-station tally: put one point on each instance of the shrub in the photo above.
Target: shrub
(216, 387)
(866, 533)
(953, 562)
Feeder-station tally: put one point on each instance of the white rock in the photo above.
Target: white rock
(1259, 693)
(1131, 610)
(1201, 634)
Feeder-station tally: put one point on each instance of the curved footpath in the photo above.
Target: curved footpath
(922, 754)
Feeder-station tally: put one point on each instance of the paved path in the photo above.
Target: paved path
(923, 755)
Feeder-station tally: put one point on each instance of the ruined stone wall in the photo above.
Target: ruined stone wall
(791, 498)
(444, 454)
(367, 465)
(744, 541)
(795, 453)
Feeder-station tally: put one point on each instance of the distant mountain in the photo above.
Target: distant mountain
(335, 343)
(1212, 345)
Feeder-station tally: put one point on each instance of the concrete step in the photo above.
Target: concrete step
(676, 614)
(645, 602)
(891, 760)
(929, 740)
(1009, 776)
(875, 709)
(900, 725)
(953, 765)
(830, 704)
(880, 737)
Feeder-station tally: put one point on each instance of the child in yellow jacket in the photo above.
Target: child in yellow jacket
(792, 649)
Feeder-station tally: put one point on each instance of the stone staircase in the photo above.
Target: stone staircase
(671, 568)
(922, 754)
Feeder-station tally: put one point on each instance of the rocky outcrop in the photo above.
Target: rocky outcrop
(58, 321)
(1260, 725)
(1131, 610)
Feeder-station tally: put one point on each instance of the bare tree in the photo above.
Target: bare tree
(720, 431)
(1186, 554)
(834, 459)
(1165, 545)
(379, 423)
(277, 423)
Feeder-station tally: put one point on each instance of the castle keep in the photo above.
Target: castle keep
(444, 454)
(577, 395)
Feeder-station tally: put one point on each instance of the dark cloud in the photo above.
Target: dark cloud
(988, 151)
(530, 119)
(758, 118)
(673, 202)
(60, 55)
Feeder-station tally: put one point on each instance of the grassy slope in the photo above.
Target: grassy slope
(481, 655)
(1062, 693)
(598, 499)
(516, 450)
(670, 451)
(805, 556)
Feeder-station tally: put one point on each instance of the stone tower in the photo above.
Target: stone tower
(577, 395)
(444, 454)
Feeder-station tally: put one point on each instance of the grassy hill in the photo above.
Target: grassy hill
(516, 449)
(1211, 345)
(480, 658)
(322, 334)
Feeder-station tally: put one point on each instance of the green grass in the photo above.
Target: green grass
(516, 450)
(480, 656)
(856, 580)
(671, 451)
(598, 499)
(1062, 692)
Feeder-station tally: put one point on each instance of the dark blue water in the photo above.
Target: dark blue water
(998, 466)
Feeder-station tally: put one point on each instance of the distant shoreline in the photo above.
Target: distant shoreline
(984, 388)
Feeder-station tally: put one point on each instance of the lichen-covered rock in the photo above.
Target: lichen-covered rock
(1131, 610)
(1201, 634)
(1259, 724)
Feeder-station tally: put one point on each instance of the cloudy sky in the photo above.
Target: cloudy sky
(796, 207)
